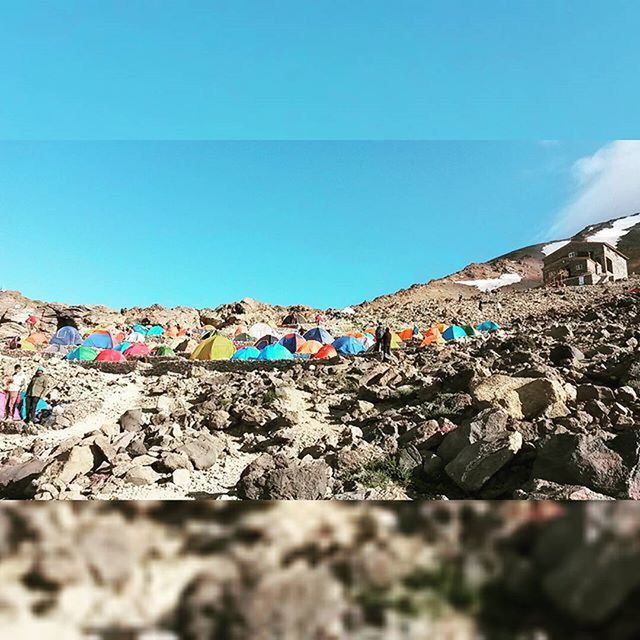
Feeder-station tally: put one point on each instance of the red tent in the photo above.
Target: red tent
(110, 355)
(326, 352)
(137, 350)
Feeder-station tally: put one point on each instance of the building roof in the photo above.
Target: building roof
(547, 259)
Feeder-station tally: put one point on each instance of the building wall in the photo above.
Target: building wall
(570, 266)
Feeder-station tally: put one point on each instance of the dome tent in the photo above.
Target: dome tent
(137, 350)
(275, 352)
(327, 351)
(163, 350)
(293, 320)
(86, 354)
(67, 336)
(265, 341)
(110, 355)
(454, 332)
(246, 353)
(100, 340)
(319, 335)
(156, 330)
(261, 329)
(293, 342)
(310, 347)
(123, 346)
(488, 325)
(348, 345)
(216, 347)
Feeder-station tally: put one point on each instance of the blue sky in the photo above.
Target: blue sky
(322, 223)
(319, 69)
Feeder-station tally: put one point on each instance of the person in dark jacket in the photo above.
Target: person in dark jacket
(379, 336)
(386, 344)
(36, 390)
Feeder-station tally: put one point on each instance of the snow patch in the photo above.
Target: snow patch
(492, 283)
(548, 249)
(619, 228)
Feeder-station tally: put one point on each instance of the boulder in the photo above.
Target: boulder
(279, 478)
(132, 420)
(80, 461)
(202, 452)
(522, 398)
(478, 462)
(585, 460)
(142, 475)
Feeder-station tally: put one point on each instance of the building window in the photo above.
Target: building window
(572, 254)
(578, 267)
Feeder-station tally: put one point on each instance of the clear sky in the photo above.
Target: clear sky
(319, 69)
(321, 223)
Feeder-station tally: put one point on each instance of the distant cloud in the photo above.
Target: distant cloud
(607, 186)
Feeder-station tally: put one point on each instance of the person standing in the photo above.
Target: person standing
(15, 384)
(386, 344)
(36, 390)
(379, 336)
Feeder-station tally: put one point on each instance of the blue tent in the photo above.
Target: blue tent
(156, 330)
(246, 353)
(138, 328)
(488, 325)
(265, 341)
(123, 346)
(319, 335)
(41, 406)
(99, 341)
(292, 341)
(66, 336)
(454, 332)
(275, 352)
(348, 345)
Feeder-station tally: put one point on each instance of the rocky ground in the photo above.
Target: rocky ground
(319, 571)
(546, 408)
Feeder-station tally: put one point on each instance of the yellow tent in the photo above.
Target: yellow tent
(25, 345)
(214, 348)
(395, 340)
(441, 327)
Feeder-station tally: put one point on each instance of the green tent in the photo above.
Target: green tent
(163, 350)
(469, 330)
(83, 353)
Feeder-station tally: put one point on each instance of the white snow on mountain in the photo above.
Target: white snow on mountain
(554, 246)
(618, 229)
(492, 283)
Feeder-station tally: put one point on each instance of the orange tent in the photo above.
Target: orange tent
(38, 339)
(441, 327)
(311, 347)
(406, 334)
(327, 351)
(355, 334)
(431, 336)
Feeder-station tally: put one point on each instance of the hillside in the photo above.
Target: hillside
(522, 268)
(545, 407)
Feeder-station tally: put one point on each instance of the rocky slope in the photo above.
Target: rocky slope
(546, 407)
(319, 571)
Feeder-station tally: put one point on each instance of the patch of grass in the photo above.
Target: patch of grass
(269, 397)
(381, 472)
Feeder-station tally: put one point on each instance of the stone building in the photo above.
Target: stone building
(579, 263)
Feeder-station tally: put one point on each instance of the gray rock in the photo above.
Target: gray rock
(479, 461)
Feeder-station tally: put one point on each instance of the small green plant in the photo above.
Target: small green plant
(269, 397)
(380, 473)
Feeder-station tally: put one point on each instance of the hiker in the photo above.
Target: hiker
(15, 384)
(318, 320)
(379, 335)
(386, 344)
(36, 391)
